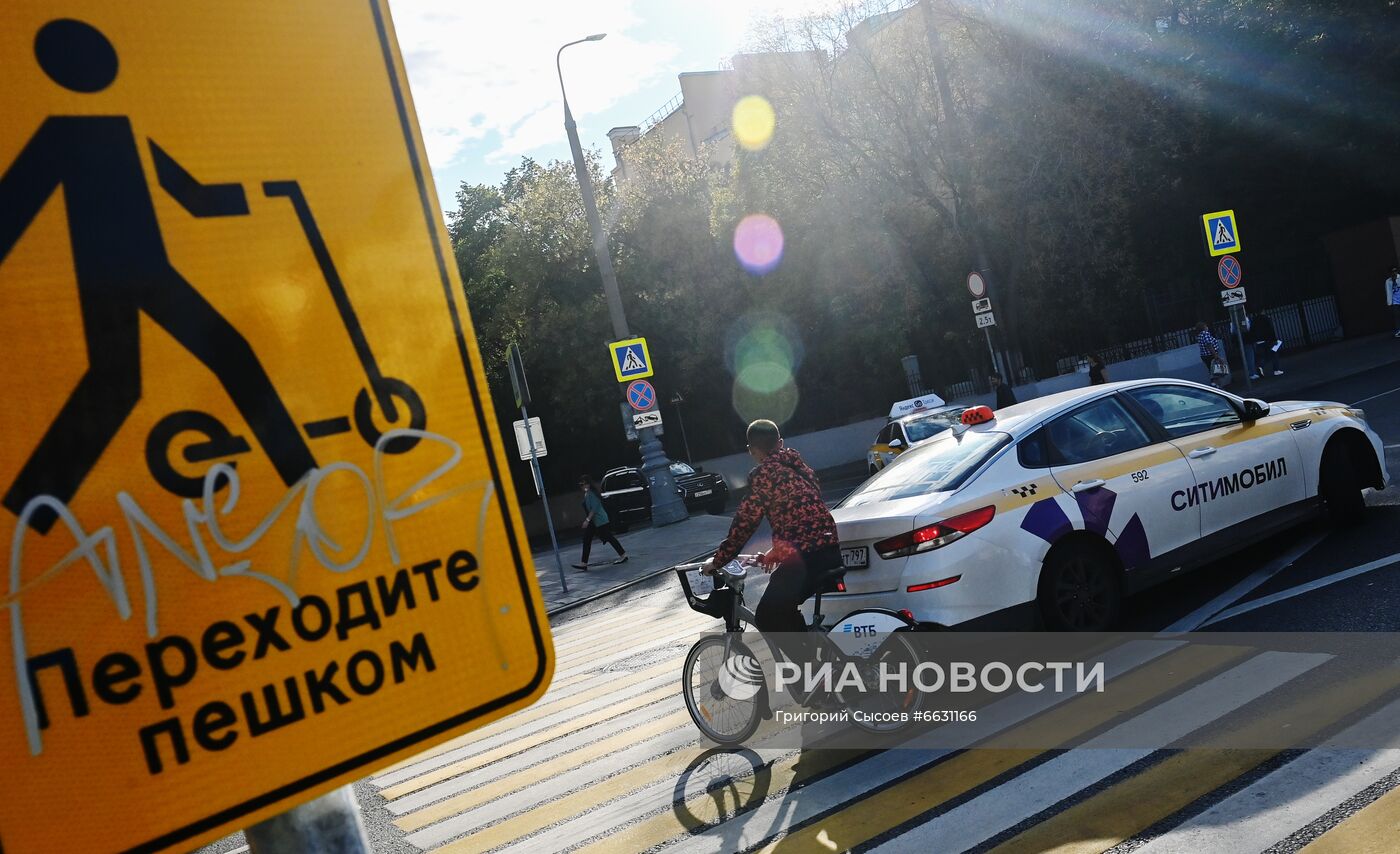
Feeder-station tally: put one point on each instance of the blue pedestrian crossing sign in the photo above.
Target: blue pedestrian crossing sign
(1222, 234)
(630, 359)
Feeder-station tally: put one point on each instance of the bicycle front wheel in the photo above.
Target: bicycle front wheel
(723, 687)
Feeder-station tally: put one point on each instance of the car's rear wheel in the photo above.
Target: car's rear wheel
(1081, 589)
(1339, 487)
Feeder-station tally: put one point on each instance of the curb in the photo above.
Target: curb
(569, 606)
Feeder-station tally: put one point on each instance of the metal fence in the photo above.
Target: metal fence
(1299, 324)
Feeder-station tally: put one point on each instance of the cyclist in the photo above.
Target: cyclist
(783, 488)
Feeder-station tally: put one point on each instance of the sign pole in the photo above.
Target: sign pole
(328, 825)
(996, 367)
(1237, 317)
(539, 481)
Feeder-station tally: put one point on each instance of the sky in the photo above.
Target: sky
(484, 83)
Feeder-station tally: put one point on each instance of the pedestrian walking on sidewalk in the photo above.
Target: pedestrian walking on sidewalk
(1392, 297)
(1212, 354)
(1245, 335)
(1098, 374)
(1005, 396)
(1266, 344)
(596, 523)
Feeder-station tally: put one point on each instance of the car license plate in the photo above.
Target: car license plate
(857, 557)
(702, 493)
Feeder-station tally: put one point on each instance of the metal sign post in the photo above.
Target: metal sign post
(539, 482)
(522, 399)
(1237, 317)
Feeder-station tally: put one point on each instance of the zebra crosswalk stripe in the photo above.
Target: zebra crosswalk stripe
(986, 815)
(1116, 814)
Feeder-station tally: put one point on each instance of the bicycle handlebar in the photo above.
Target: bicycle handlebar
(745, 560)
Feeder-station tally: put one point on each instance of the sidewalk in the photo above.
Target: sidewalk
(1317, 365)
(650, 551)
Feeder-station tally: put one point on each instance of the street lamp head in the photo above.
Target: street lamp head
(596, 37)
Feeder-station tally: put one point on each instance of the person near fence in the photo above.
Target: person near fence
(1098, 374)
(1245, 335)
(596, 523)
(1212, 354)
(1005, 396)
(1266, 344)
(1392, 297)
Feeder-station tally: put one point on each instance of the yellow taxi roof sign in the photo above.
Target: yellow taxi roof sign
(260, 532)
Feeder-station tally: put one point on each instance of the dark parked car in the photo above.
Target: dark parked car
(627, 496)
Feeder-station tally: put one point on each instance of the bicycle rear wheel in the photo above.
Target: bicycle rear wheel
(724, 689)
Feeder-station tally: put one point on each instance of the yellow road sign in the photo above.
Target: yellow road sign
(258, 526)
(1222, 233)
(630, 359)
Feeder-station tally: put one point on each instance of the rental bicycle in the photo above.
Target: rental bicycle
(725, 689)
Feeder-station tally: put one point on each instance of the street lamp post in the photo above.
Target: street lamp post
(678, 400)
(666, 504)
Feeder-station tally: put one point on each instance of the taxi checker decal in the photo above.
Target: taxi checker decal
(1229, 484)
(1048, 521)
(1025, 490)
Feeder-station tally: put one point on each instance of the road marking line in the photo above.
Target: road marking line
(1317, 584)
(643, 742)
(1374, 396)
(1119, 812)
(1371, 830)
(938, 775)
(660, 689)
(618, 797)
(1287, 799)
(783, 775)
(1202, 615)
(658, 800)
(1043, 786)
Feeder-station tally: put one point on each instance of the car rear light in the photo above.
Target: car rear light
(935, 536)
(932, 585)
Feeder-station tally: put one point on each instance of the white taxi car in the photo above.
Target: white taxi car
(911, 422)
(1058, 507)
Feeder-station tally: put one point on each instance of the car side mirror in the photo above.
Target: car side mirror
(1255, 409)
(896, 443)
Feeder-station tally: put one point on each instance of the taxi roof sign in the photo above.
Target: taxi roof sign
(977, 415)
(915, 404)
(239, 571)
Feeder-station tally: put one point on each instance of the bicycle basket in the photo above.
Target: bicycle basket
(702, 595)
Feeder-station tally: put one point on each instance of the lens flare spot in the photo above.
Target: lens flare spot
(765, 377)
(753, 121)
(777, 405)
(758, 243)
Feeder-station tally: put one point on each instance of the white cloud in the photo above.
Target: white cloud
(482, 71)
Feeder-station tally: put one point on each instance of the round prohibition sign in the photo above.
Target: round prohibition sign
(641, 395)
(1230, 272)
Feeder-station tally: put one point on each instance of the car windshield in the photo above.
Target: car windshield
(681, 468)
(938, 466)
(929, 425)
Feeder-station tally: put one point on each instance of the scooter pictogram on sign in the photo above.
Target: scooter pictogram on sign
(123, 271)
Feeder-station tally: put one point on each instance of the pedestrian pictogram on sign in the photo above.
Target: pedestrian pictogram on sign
(641, 395)
(1222, 233)
(1229, 271)
(630, 359)
(260, 539)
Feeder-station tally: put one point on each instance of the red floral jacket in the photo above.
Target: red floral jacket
(785, 489)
